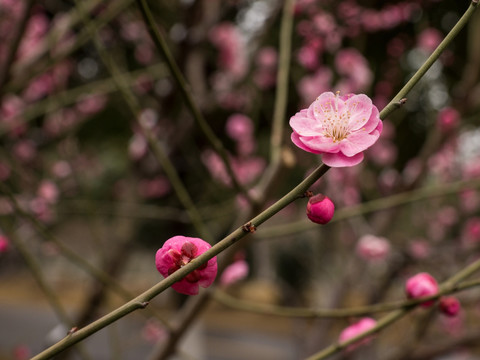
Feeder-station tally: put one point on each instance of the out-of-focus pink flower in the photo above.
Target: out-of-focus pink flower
(356, 329)
(320, 209)
(471, 231)
(48, 190)
(21, 352)
(371, 247)
(338, 127)
(40, 207)
(469, 200)
(61, 169)
(229, 41)
(4, 244)
(310, 86)
(447, 215)
(448, 119)
(4, 171)
(137, 147)
(419, 249)
(421, 285)
(91, 104)
(234, 272)
(239, 127)
(25, 150)
(267, 57)
(154, 188)
(449, 305)
(351, 64)
(308, 57)
(429, 39)
(153, 332)
(177, 252)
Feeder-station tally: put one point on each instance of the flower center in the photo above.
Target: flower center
(181, 258)
(336, 123)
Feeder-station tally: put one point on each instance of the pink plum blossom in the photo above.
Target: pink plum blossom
(154, 188)
(429, 39)
(320, 209)
(338, 127)
(371, 247)
(356, 329)
(153, 331)
(421, 285)
(48, 191)
(234, 272)
(449, 305)
(177, 252)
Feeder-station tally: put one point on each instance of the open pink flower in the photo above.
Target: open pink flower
(177, 252)
(338, 127)
(356, 329)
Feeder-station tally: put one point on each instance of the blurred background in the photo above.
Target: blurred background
(99, 149)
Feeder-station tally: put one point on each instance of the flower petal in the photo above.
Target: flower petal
(304, 125)
(358, 142)
(340, 160)
(360, 108)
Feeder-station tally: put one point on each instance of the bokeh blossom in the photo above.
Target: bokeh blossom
(449, 305)
(356, 329)
(337, 127)
(177, 252)
(235, 272)
(421, 285)
(371, 247)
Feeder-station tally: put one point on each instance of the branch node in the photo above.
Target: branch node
(403, 100)
(249, 228)
(72, 330)
(144, 304)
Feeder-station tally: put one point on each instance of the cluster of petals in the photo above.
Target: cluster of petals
(421, 285)
(177, 252)
(337, 127)
(356, 329)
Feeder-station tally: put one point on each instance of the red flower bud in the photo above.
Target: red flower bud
(449, 305)
(320, 209)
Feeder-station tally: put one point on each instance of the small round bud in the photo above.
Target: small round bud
(320, 209)
(421, 285)
(449, 305)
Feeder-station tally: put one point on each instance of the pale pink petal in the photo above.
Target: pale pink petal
(305, 126)
(296, 140)
(320, 144)
(373, 122)
(340, 160)
(357, 142)
(325, 105)
(360, 107)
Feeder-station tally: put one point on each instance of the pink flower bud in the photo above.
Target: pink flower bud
(356, 329)
(177, 252)
(449, 305)
(320, 209)
(421, 285)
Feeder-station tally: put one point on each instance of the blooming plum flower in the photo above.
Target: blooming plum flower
(177, 252)
(449, 305)
(337, 127)
(355, 329)
(371, 247)
(421, 285)
(320, 209)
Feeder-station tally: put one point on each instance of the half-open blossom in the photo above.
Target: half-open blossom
(320, 209)
(449, 305)
(421, 285)
(338, 127)
(177, 252)
(356, 329)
